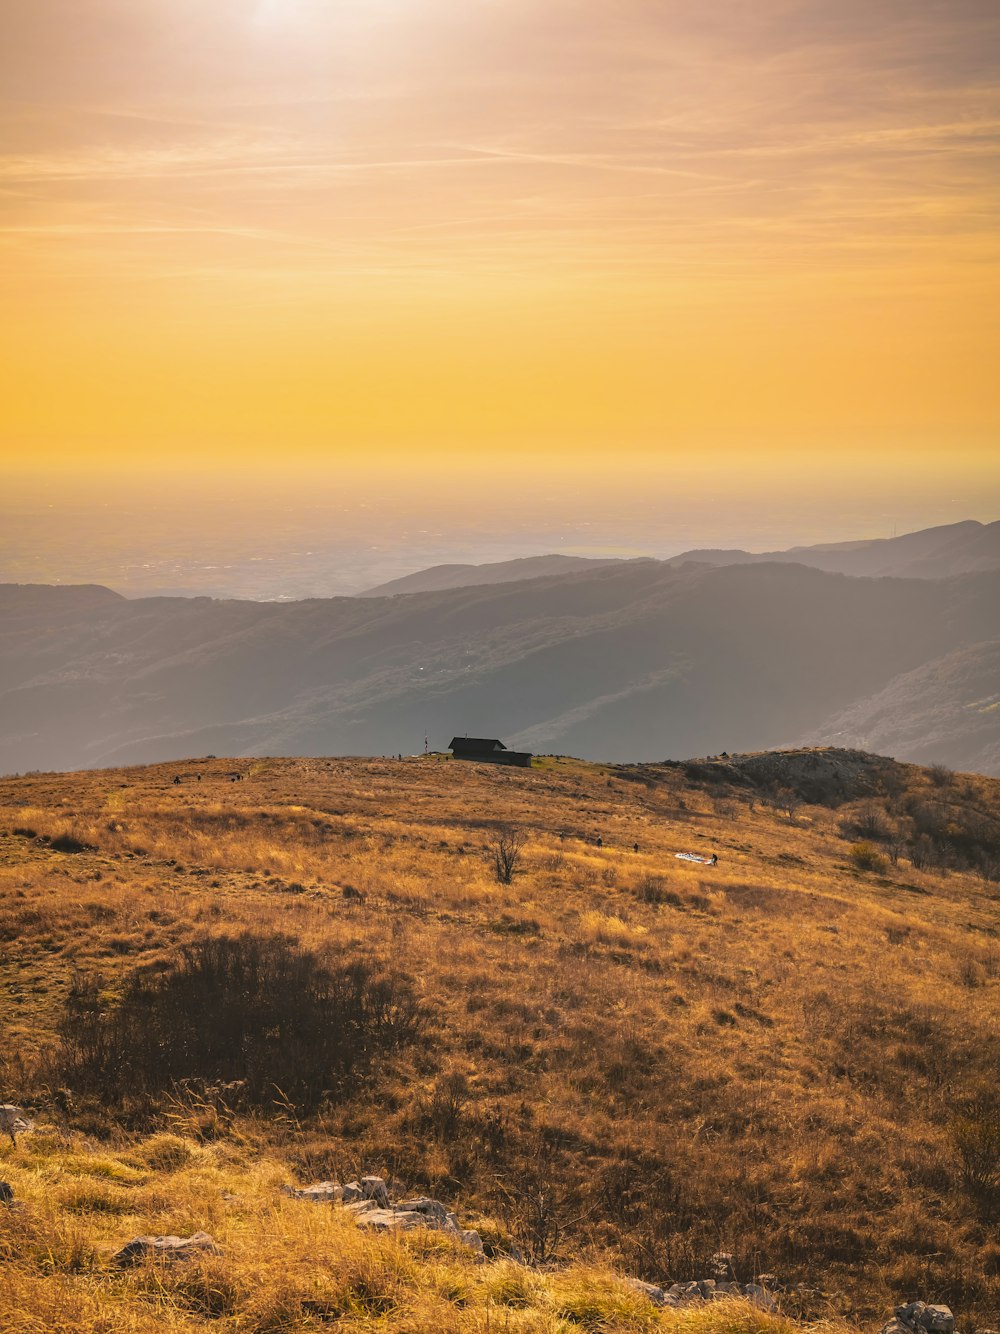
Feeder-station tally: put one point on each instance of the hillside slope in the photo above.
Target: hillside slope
(632, 661)
(627, 1058)
(946, 712)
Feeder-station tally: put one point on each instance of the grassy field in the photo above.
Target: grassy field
(625, 1062)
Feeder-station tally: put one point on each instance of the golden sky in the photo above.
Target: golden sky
(343, 229)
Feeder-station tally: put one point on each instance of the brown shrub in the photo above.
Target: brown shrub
(255, 1011)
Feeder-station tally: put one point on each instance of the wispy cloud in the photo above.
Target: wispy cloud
(611, 180)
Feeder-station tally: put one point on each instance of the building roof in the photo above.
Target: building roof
(476, 743)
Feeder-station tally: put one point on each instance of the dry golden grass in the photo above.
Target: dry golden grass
(287, 1265)
(765, 1057)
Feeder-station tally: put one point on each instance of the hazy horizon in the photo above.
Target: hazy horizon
(292, 535)
(304, 297)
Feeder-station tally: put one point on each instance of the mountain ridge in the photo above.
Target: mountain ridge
(966, 547)
(631, 661)
(438, 578)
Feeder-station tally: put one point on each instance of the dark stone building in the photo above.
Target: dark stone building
(488, 750)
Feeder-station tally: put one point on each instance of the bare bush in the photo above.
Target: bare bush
(506, 848)
(895, 847)
(786, 801)
(870, 823)
(539, 1205)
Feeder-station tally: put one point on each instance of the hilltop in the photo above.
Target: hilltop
(619, 1061)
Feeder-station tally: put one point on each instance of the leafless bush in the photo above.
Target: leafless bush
(923, 852)
(506, 848)
(870, 823)
(895, 847)
(786, 801)
(540, 1207)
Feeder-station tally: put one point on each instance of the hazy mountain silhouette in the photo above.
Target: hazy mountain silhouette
(440, 577)
(631, 661)
(933, 553)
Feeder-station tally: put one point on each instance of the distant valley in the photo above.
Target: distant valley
(630, 660)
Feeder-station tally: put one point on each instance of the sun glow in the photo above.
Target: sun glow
(324, 227)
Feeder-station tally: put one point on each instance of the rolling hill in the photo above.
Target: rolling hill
(633, 661)
(614, 1067)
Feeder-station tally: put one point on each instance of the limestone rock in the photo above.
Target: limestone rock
(374, 1188)
(760, 1297)
(368, 1188)
(719, 1289)
(368, 1202)
(358, 1208)
(166, 1248)
(332, 1192)
(919, 1318)
(421, 1212)
(369, 1215)
(656, 1295)
(323, 1192)
(938, 1320)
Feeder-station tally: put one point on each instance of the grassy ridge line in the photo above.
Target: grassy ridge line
(765, 1057)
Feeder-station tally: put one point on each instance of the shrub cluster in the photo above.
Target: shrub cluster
(866, 857)
(256, 1011)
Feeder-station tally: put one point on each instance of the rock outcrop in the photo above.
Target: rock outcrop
(165, 1248)
(368, 1202)
(699, 1291)
(919, 1318)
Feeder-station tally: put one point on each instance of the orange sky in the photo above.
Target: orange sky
(343, 229)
